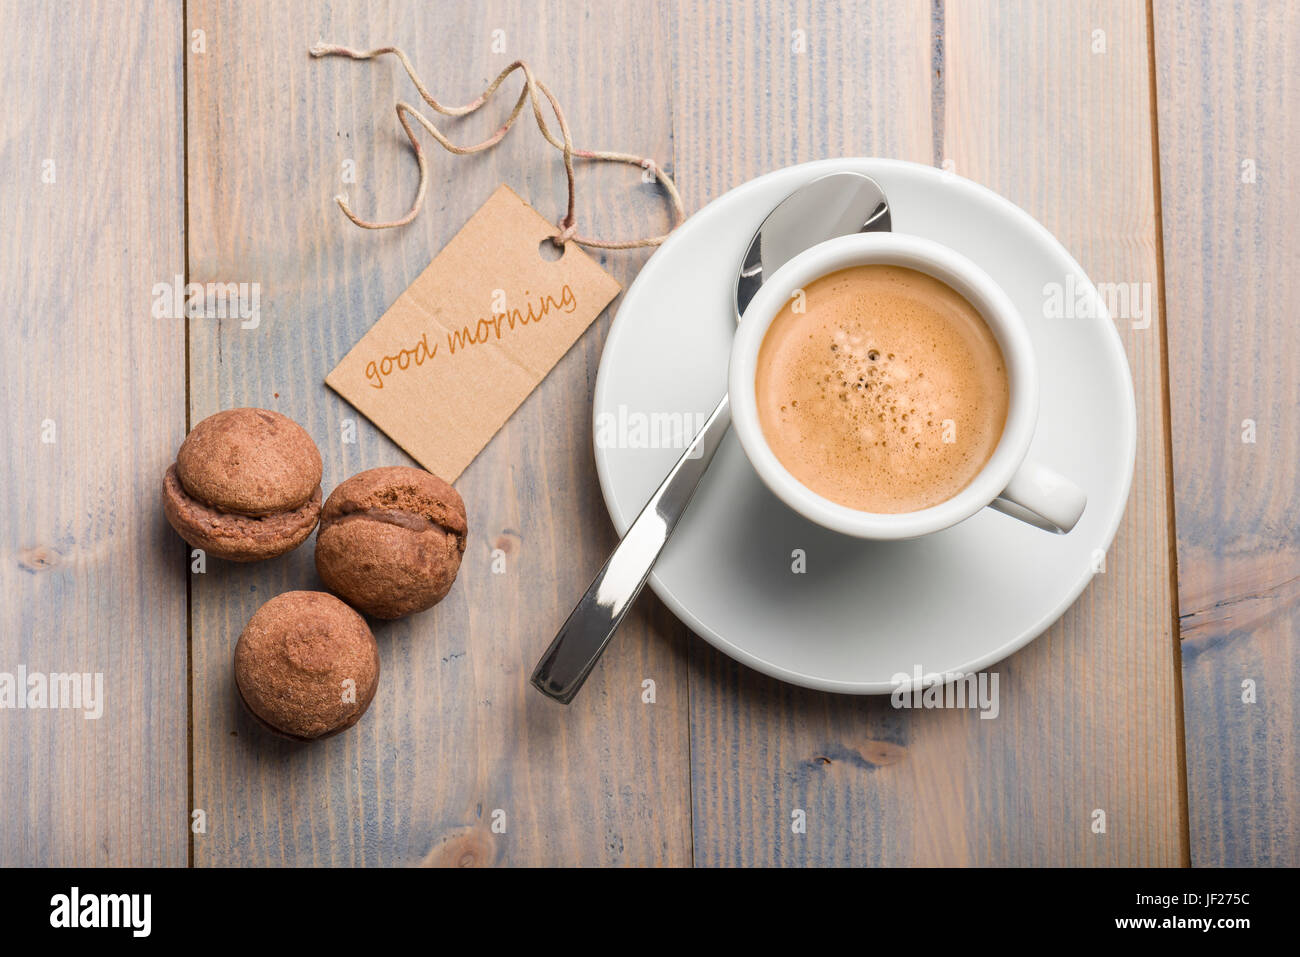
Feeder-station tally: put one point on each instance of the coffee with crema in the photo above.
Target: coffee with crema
(882, 389)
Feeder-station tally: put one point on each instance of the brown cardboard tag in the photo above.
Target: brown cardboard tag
(465, 344)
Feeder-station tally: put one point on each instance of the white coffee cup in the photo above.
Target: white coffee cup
(1024, 490)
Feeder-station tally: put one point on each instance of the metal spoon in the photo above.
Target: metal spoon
(837, 204)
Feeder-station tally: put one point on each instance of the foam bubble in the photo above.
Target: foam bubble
(880, 350)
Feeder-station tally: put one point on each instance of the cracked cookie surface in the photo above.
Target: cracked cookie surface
(391, 540)
(245, 485)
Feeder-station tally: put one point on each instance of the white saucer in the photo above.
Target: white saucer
(863, 612)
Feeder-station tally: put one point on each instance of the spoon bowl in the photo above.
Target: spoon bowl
(838, 204)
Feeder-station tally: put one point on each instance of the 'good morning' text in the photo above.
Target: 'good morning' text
(485, 330)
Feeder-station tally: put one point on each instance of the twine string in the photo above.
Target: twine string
(566, 229)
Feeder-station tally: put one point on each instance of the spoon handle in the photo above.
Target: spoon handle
(583, 637)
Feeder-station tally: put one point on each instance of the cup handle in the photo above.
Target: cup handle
(1043, 498)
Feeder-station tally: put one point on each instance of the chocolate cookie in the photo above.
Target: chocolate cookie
(306, 665)
(391, 540)
(245, 485)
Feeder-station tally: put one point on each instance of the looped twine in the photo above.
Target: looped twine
(566, 229)
(567, 232)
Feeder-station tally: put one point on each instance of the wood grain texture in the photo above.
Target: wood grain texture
(1229, 103)
(1010, 92)
(1052, 108)
(93, 579)
(748, 103)
(1089, 716)
(454, 733)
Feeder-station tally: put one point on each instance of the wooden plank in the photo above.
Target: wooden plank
(1052, 108)
(1022, 109)
(455, 732)
(746, 103)
(93, 578)
(1229, 131)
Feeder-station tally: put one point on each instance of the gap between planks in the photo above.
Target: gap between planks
(1184, 824)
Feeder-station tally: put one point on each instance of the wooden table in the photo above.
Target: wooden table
(145, 141)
